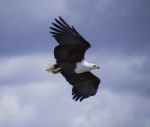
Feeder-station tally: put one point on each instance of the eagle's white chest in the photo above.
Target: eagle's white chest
(83, 66)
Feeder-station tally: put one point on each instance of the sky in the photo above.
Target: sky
(119, 32)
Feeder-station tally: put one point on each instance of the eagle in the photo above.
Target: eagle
(70, 60)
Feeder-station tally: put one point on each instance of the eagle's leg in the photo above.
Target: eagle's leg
(54, 69)
(57, 70)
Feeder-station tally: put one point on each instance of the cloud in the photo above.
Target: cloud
(13, 113)
(116, 8)
(25, 68)
(111, 25)
(114, 110)
(33, 10)
(32, 97)
(30, 104)
(34, 109)
(125, 74)
(25, 24)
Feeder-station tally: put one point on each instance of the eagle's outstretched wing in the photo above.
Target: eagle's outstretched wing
(65, 34)
(84, 84)
(72, 45)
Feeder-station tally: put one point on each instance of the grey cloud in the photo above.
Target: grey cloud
(24, 25)
(111, 32)
(123, 74)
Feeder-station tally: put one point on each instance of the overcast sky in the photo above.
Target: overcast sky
(119, 32)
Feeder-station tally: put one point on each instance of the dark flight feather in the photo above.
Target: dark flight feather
(69, 36)
(58, 27)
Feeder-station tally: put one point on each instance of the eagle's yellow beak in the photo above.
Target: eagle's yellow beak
(96, 66)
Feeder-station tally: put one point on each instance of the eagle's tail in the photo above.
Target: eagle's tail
(54, 69)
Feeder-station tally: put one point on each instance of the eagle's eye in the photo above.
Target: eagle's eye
(94, 65)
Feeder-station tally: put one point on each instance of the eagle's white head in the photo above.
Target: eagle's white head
(84, 66)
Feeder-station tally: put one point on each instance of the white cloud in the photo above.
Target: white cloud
(12, 113)
(43, 99)
(47, 104)
(30, 104)
(24, 68)
(114, 110)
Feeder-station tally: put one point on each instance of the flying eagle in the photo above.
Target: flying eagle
(70, 62)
